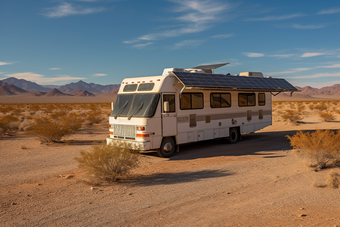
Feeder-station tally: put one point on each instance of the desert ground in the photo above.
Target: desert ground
(259, 181)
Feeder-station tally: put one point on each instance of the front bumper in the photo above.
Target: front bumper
(140, 145)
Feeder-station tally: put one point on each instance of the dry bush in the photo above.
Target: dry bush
(301, 107)
(321, 106)
(109, 162)
(6, 109)
(333, 179)
(73, 121)
(291, 116)
(321, 146)
(48, 130)
(59, 113)
(94, 117)
(327, 116)
(6, 122)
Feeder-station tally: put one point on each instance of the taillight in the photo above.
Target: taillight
(142, 135)
(140, 128)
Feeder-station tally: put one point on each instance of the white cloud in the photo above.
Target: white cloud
(330, 11)
(318, 75)
(277, 18)
(54, 68)
(99, 74)
(5, 63)
(299, 26)
(1, 73)
(187, 44)
(308, 55)
(141, 45)
(254, 55)
(296, 70)
(222, 36)
(198, 16)
(281, 55)
(41, 79)
(66, 9)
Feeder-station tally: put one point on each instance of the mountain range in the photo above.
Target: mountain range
(14, 86)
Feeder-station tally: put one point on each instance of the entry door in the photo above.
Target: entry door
(169, 119)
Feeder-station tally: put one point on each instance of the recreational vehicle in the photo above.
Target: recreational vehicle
(188, 105)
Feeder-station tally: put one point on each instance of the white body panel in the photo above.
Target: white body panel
(210, 123)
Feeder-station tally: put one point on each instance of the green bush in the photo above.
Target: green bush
(109, 162)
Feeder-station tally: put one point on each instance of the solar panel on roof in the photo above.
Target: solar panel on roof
(203, 80)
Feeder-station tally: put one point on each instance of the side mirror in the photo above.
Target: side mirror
(166, 107)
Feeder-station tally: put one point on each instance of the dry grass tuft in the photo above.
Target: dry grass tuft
(327, 116)
(109, 162)
(6, 122)
(322, 147)
(333, 179)
(291, 116)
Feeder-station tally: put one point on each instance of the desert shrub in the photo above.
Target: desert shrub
(108, 162)
(57, 114)
(6, 109)
(48, 130)
(333, 179)
(6, 122)
(301, 107)
(321, 106)
(73, 121)
(327, 116)
(321, 146)
(94, 117)
(291, 116)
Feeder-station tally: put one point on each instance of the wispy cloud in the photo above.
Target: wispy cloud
(308, 55)
(318, 75)
(222, 36)
(277, 18)
(281, 55)
(299, 26)
(187, 44)
(330, 11)
(5, 63)
(254, 55)
(66, 9)
(99, 74)
(54, 68)
(41, 79)
(141, 45)
(197, 16)
(296, 70)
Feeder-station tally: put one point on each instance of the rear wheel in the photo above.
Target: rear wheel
(233, 135)
(167, 148)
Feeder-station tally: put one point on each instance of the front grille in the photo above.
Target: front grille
(124, 131)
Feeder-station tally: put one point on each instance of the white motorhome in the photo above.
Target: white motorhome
(188, 105)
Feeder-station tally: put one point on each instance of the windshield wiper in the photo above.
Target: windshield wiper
(121, 108)
(140, 107)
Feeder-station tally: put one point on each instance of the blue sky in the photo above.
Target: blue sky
(104, 41)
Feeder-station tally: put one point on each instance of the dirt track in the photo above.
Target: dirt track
(256, 182)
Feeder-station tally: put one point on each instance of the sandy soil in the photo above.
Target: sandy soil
(258, 181)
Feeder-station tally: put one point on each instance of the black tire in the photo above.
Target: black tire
(234, 135)
(168, 148)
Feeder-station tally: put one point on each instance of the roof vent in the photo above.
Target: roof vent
(252, 74)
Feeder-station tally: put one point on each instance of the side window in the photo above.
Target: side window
(262, 99)
(220, 100)
(246, 99)
(191, 101)
(130, 87)
(171, 100)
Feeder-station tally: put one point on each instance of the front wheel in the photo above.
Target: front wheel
(233, 135)
(167, 148)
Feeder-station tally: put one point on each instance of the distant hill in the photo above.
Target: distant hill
(331, 90)
(24, 84)
(10, 89)
(90, 87)
(83, 93)
(56, 92)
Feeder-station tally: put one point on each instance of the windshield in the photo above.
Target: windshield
(138, 105)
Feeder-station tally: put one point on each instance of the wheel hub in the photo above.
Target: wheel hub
(167, 147)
